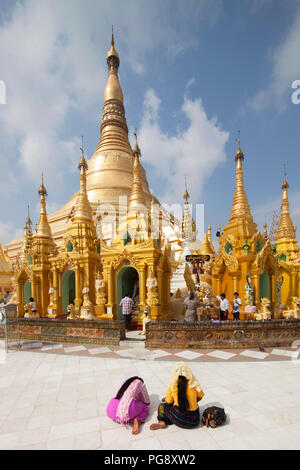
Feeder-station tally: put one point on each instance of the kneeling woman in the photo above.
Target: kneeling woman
(180, 406)
(130, 404)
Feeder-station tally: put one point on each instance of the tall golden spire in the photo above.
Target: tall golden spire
(43, 228)
(83, 211)
(114, 130)
(286, 227)
(240, 207)
(137, 196)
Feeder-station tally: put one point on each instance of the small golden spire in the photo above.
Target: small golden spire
(42, 190)
(239, 154)
(265, 230)
(240, 207)
(286, 227)
(210, 239)
(137, 196)
(186, 195)
(83, 211)
(136, 149)
(43, 228)
(28, 221)
(82, 162)
(206, 248)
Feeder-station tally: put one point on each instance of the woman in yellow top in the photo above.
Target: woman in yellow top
(180, 406)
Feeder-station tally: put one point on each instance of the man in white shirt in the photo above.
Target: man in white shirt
(224, 307)
(236, 309)
(33, 304)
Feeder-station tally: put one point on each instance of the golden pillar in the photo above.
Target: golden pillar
(256, 289)
(294, 284)
(78, 299)
(142, 287)
(20, 299)
(160, 284)
(110, 292)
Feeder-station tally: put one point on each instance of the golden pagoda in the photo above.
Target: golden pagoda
(33, 267)
(287, 250)
(109, 176)
(244, 253)
(67, 263)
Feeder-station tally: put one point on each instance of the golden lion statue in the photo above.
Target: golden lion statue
(71, 312)
(294, 310)
(264, 312)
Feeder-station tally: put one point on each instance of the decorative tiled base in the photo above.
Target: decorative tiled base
(228, 335)
(72, 331)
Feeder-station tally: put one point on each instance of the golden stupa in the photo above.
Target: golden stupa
(110, 169)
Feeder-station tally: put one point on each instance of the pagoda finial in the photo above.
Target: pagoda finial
(265, 230)
(112, 53)
(82, 165)
(186, 195)
(136, 149)
(42, 190)
(239, 154)
(28, 221)
(285, 184)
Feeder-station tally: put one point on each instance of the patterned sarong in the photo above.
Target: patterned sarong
(171, 414)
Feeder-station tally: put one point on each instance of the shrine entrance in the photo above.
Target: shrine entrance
(68, 289)
(27, 291)
(127, 283)
(264, 285)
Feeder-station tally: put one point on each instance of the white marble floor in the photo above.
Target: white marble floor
(50, 401)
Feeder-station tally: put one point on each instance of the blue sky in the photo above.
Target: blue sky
(192, 72)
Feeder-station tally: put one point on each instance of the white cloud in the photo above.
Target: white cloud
(195, 151)
(190, 83)
(286, 69)
(8, 232)
(52, 63)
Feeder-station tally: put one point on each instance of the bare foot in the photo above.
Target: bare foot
(136, 427)
(159, 425)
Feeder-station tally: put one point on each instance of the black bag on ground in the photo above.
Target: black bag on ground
(213, 417)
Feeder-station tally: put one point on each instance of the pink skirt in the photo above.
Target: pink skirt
(137, 410)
